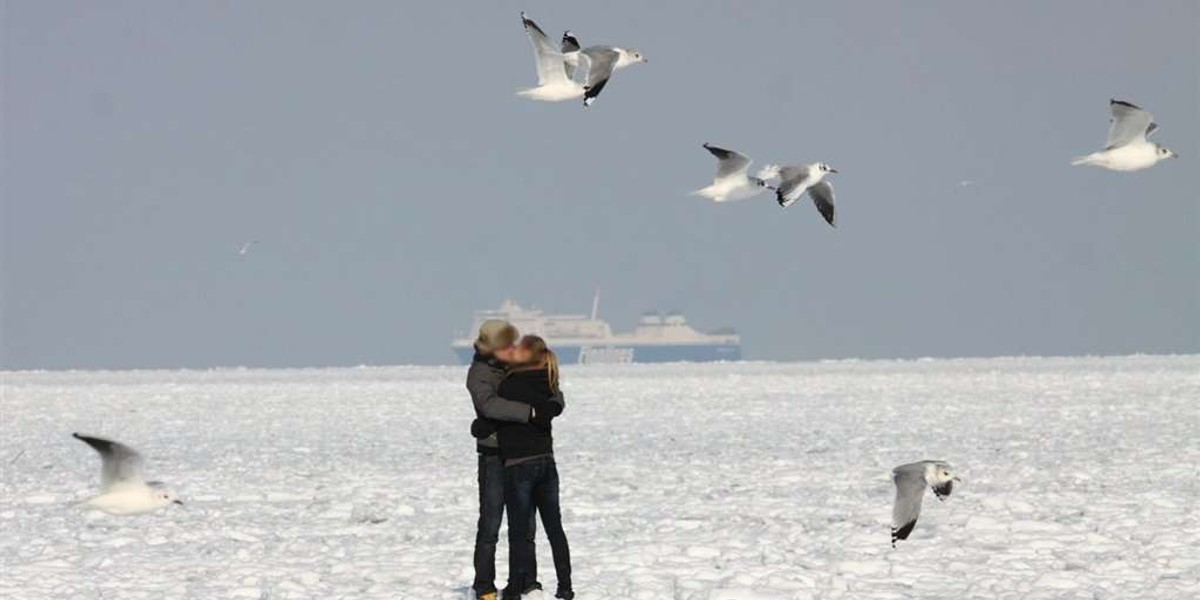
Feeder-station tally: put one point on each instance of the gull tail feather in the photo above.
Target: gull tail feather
(1082, 160)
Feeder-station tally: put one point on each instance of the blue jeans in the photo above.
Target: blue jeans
(491, 513)
(528, 486)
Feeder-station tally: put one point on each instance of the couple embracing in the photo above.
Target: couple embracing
(514, 387)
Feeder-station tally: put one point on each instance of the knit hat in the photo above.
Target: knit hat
(495, 334)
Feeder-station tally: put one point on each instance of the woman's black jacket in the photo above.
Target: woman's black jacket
(518, 440)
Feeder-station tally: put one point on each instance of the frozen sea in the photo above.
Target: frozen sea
(724, 481)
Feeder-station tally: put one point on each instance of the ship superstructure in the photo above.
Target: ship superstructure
(588, 339)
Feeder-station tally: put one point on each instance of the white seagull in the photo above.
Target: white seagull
(794, 180)
(244, 248)
(557, 66)
(1127, 148)
(911, 481)
(731, 181)
(123, 490)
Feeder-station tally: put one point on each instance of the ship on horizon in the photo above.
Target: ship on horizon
(583, 339)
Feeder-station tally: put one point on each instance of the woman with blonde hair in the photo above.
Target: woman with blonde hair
(530, 474)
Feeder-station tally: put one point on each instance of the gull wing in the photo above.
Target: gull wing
(822, 195)
(729, 163)
(570, 43)
(1129, 124)
(601, 62)
(793, 180)
(570, 48)
(910, 488)
(550, 68)
(120, 463)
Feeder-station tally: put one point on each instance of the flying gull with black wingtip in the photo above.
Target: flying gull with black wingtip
(795, 180)
(558, 65)
(1128, 148)
(911, 480)
(732, 181)
(123, 488)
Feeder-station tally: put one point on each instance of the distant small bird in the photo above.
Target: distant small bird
(244, 248)
(123, 490)
(1128, 148)
(794, 180)
(911, 480)
(556, 66)
(731, 181)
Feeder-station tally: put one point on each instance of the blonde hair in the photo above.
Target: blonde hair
(543, 357)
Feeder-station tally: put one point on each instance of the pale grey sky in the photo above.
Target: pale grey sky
(396, 182)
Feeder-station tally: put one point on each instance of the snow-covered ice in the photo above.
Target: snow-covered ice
(680, 482)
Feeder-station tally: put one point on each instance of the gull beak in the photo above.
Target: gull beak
(179, 502)
(832, 170)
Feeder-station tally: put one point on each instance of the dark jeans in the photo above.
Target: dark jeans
(529, 486)
(491, 513)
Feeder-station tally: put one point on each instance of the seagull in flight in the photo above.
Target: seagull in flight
(731, 181)
(244, 248)
(911, 481)
(1128, 148)
(794, 180)
(558, 65)
(123, 489)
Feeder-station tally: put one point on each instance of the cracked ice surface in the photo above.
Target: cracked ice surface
(690, 482)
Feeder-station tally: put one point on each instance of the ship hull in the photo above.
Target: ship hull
(626, 353)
